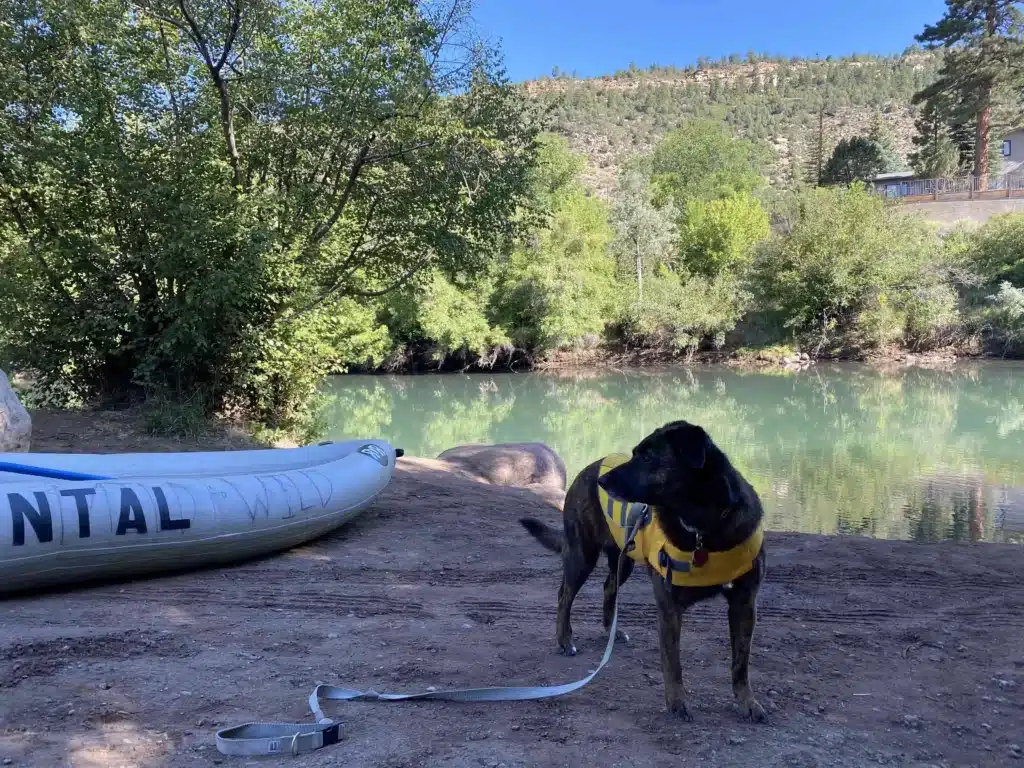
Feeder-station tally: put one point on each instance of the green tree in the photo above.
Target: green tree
(853, 159)
(881, 136)
(984, 54)
(703, 161)
(557, 287)
(203, 191)
(816, 159)
(447, 319)
(937, 155)
(645, 236)
(718, 236)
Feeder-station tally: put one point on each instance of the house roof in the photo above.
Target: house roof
(894, 175)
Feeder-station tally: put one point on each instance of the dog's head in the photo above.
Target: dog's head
(681, 471)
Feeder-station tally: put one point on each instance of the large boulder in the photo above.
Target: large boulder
(517, 464)
(15, 423)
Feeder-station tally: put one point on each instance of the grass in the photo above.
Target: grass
(185, 420)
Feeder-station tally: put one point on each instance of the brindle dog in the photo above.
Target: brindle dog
(695, 488)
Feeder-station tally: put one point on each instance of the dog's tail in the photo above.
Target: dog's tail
(549, 537)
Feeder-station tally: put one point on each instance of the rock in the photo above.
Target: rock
(912, 721)
(735, 741)
(15, 423)
(514, 464)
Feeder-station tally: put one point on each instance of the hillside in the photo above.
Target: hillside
(774, 101)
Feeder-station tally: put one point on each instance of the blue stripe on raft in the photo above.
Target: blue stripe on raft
(58, 474)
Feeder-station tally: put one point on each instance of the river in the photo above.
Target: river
(835, 449)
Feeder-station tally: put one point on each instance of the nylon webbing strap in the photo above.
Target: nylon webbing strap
(252, 739)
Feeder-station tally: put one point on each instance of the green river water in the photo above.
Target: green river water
(840, 449)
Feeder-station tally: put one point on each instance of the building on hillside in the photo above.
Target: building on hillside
(1013, 151)
(895, 184)
(1009, 179)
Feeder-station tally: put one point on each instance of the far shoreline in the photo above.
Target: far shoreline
(743, 360)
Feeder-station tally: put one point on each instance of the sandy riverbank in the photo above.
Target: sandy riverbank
(868, 652)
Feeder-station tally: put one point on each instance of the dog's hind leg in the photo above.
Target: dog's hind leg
(742, 618)
(611, 589)
(577, 565)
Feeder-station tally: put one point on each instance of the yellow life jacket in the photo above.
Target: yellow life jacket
(650, 545)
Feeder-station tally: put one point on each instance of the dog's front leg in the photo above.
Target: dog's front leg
(742, 618)
(669, 627)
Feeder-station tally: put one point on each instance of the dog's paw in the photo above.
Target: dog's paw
(752, 710)
(621, 636)
(567, 650)
(678, 709)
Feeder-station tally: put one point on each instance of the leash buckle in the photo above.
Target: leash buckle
(331, 734)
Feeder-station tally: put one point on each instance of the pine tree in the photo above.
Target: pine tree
(937, 156)
(854, 159)
(816, 151)
(984, 53)
(880, 134)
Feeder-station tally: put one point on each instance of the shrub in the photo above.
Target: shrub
(996, 249)
(718, 236)
(1007, 314)
(680, 315)
(848, 270)
(449, 318)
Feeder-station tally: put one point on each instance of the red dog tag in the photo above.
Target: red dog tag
(700, 557)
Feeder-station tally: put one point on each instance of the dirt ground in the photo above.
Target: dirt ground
(867, 652)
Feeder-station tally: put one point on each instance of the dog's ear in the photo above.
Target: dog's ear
(690, 445)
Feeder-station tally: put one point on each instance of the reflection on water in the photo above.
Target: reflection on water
(916, 454)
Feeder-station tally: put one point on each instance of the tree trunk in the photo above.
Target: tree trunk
(821, 146)
(981, 139)
(984, 123)
(227, 119)
(639, 274)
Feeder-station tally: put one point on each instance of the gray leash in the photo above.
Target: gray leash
(260, 739)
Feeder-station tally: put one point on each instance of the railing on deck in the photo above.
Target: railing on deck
(964, 187)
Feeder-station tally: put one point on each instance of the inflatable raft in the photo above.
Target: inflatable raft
(75, 517)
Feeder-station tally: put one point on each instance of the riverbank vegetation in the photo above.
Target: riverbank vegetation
(218, 203)
(833, 271)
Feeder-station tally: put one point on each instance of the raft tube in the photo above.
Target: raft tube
(144, 513)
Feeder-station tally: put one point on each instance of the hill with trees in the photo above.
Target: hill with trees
(797, 109)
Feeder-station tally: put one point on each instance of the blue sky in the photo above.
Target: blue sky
(596, 37)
